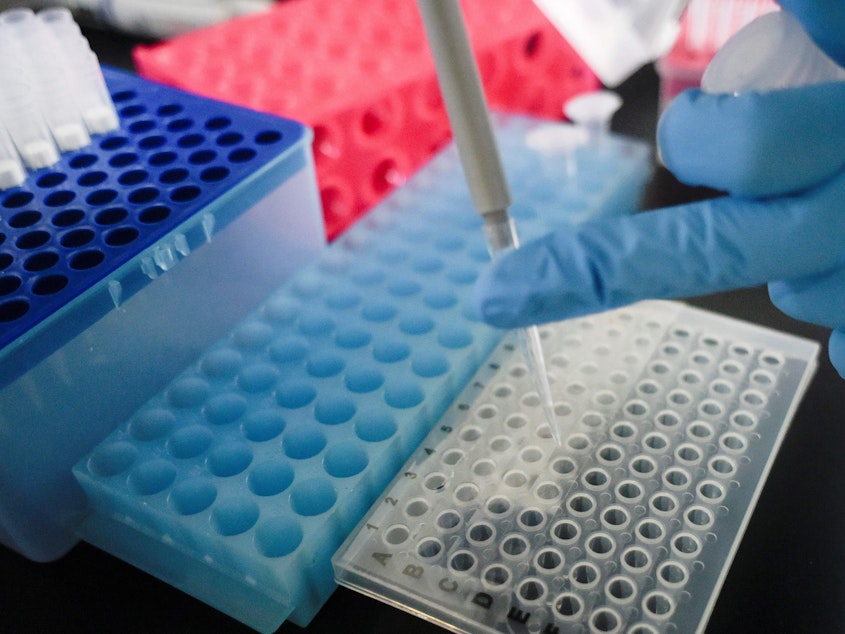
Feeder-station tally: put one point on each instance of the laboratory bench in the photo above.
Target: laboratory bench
(788, 574)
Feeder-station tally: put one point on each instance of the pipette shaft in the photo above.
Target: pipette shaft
(469, 117)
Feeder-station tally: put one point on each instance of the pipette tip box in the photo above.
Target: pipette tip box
(119, 264)
(239, 480)
(672, 418)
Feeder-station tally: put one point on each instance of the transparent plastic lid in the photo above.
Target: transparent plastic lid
(771, 52)
(616, 37)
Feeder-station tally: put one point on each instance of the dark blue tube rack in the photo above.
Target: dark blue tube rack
(122, 261)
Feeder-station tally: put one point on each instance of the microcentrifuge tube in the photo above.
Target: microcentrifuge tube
(28, 129)
(593, 111)
(91, 94)
(12, 172)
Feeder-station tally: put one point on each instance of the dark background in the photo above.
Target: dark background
(788, 575)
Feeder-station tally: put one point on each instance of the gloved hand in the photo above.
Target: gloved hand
(780, 155)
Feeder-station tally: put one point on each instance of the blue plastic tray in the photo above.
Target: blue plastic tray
(123, 261)
(240, 479)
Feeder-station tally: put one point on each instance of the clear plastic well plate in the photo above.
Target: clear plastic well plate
(672, 417)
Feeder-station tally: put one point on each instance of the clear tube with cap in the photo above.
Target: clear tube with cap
(48, 70)
(28, 129)
(53, 94)
(771, 52)
(92, 97)
(12, 171)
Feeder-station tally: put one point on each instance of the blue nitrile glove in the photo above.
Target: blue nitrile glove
(781, 157)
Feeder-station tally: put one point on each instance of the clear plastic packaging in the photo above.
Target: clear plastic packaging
(771, 52)
(616, 38)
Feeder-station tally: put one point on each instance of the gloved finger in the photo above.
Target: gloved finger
(818, 299)
(682, 251)
(824, 21)
(755, 144)
(836, 350)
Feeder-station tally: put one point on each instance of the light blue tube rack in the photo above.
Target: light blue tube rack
(242, 477)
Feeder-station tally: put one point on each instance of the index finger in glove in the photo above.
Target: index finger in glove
(683, 251)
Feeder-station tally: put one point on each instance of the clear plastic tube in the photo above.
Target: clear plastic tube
(92, 96)
(12, 172)
(54, 95)
(593, 112)
(29, 131)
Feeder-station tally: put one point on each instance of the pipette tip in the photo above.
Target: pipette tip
(533, 352)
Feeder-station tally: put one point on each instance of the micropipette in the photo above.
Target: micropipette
(463, 95)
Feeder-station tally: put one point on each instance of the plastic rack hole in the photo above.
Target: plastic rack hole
(121, 236)
(81, 161)
(154, 214)
(531, 519)
(201, 157)
(33, 240)
(481, 533)
(462, 561)
(396, 535)
(87, 260)
(429, 548)
(650, 531)
(621, 589)
(584, 575)
(549, 560)
(566, 531)
(184, 194)
(532, 590)
(40, 262)
(569, 606)
(68, 217)
(601, 545)
(169, 109)
(416, 508)
(77, 238)
(214, 174)
(466, 493)
(514, 546)
(242, 155)
(658, 605)
(636, 559)
(160, 159)
(498, 506)
(49, 285)
(9, 284)
(673, 574)
(496, 576)
(563, 466)
(24, 219)
(629, 491)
